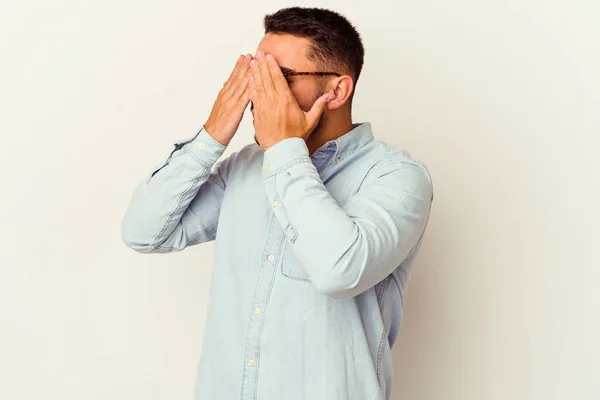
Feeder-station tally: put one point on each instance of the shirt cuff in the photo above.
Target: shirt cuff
(204, 148)
(284, 152)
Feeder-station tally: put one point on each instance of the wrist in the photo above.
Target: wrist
(212, 133)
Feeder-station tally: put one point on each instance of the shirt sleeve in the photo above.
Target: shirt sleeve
(346, 249)
(178, 204)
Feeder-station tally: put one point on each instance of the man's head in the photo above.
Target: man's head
(316, 40)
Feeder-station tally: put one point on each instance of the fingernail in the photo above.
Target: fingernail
(253, 63)
(241, 58)
(269, 57)
(259, 54)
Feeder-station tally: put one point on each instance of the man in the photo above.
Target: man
(316, 225)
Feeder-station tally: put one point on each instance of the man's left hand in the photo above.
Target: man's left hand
(277, 115)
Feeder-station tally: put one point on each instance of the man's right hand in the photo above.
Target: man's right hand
(228, 109)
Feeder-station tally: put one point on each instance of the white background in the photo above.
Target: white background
(500, 99)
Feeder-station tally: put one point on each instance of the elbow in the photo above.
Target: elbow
(337, 286)
(344, 279)
(140, 247)
(131, 238)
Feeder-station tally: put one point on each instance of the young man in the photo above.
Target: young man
(316, 225)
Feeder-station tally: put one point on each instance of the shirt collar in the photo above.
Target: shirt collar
(343, 146)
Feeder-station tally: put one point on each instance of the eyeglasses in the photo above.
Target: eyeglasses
(291, 73)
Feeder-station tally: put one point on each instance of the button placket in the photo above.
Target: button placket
(262, 291)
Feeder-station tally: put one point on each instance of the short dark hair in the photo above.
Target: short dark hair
(336, 46)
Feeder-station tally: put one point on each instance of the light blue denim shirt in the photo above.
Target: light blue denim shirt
(312, 257)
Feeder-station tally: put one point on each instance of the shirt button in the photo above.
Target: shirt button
(202, 146)
(271, 257)
(251, 362)
(258, 311)
(275, 203)
(267, 167)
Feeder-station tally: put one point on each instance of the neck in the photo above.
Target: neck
(331, 129)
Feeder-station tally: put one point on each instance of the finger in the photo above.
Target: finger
(265, 75)
(281, 85)
(239, 63)
(239, 89)
(243, 68)
(242, 65)
(244, 100)
(312, 116)
(253, 91)
(256, 80)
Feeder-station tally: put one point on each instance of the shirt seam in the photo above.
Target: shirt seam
(246, 348)
(154, 244)
(382, 289)
(200, 239)
(262, 326)
(285, 213)
(379, 356)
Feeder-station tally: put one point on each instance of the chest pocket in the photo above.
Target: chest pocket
(291, 267)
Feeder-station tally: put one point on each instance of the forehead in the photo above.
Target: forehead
(288, 50)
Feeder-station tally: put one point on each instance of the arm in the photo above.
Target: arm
(346, 250)
(178, 205)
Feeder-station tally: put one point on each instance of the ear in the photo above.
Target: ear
(342, 87)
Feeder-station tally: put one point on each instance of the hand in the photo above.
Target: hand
(233, 98)
(277, 115)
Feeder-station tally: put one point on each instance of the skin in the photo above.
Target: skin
(296, 106)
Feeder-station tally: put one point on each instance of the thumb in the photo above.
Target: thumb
(319, 107)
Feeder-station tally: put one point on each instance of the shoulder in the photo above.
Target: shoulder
(393, 161)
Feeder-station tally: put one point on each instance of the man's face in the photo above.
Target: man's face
(289, 52)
